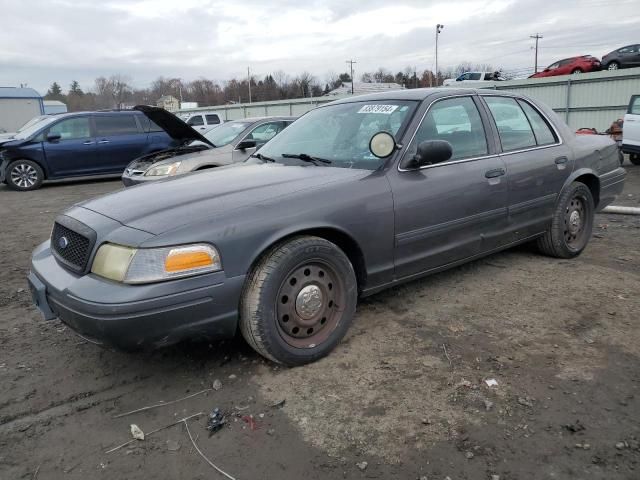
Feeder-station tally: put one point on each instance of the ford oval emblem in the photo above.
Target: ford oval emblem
(63, 242)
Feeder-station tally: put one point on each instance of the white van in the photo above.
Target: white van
(473, 77)
(631, 130)
(202, 121)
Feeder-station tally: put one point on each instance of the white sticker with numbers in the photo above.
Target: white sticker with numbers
(383, 109)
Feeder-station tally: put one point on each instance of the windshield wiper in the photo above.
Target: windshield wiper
(306, 158)
(264, 158)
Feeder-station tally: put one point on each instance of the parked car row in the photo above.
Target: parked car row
(625, 57)
(355, 196)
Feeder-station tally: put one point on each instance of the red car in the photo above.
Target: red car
(585, 63)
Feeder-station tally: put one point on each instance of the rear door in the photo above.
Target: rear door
(631, 130)
(456, 209)
(537, 160)
(75, 153)
(120, 140)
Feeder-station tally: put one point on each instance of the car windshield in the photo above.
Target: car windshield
(26, 131)
(226, 133)
(340, 133)
(31, 122)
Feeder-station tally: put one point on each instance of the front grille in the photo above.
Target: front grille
(70, 247)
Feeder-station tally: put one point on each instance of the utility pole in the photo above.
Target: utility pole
(249, 83)
(351, 62)
(439, 28)
(537, 36)
(415, 77)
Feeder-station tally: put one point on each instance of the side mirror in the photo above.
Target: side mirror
(431, 152)
(53, 137)
(244, 144)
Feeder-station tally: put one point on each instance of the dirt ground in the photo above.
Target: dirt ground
(405, 392)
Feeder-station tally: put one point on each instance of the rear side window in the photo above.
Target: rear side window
(541, 129)
(72, 128)
(212, 119)
(111, 125)
(513, 127)
(634, 106)
(196, 121)
(475, 76)
(457, 121)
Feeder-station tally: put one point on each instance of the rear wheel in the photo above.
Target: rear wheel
(577, 70)
(571, 224)
(613, 66)
(634, 158)
(299, 301)
(24, 175)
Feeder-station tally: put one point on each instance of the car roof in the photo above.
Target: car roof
(418, 94)
(96, 112)
(260, 119)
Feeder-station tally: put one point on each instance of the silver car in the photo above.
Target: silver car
(229, 143)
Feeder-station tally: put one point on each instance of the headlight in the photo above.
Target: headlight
(163, 170)
(147, 265)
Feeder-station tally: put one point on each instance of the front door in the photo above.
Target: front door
(454, 210)
(537, 162)
(261, 134)
(74, 153)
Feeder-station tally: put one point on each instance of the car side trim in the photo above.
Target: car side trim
(536, 202)
(422, 233)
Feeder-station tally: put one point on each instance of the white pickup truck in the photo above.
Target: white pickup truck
(473, 77)
(631, 131)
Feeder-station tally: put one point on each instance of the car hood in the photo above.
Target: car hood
(168, 204)
(186, 153)
(174, 126)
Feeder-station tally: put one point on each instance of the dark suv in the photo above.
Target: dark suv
(78, 144)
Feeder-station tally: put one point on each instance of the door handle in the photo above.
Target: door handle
(496, 172)
(561, 160)
(88, 143)
(103, 141)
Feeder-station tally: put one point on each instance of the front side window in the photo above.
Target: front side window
(72, 128)
(457, 121)
(541, 129)
(195, 121)
(212, 119)
(553, 66)
(226, 133)
(265, 132)
(112, 125)
(341, 133)
(513, 127)
(634, 107)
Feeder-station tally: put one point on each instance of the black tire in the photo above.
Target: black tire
(24, 175)
(273, 301)
(569, 232)
(613, 66)
(634, 158)
(577, 70)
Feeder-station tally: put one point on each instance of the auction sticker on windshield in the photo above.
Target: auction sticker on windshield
(384, 109)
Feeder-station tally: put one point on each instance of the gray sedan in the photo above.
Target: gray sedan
(354, 197)
(228, 143)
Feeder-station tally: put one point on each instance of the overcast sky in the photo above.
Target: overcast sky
(46, 40)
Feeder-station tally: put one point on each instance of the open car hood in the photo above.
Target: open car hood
(175, 128)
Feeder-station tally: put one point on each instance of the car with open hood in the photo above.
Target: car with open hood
(228, 143)
(356, 196)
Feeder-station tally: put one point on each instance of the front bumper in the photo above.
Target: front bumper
(135, 316)
(130, 180)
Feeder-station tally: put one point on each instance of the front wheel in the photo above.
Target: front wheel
(612, 66)
(634, 158)
(299, 301)
(571, 224)
(24, 175)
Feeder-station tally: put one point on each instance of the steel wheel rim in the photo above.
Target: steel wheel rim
(575, 220)
(613, 66)
(310, 304)
(24, 175)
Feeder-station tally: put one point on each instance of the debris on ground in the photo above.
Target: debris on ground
(574, 427)
(491, 382)
(279, 404)
(215, 421)
(217, 384)
(136, 432)
(488, 405)
(362, 466)
(250, 421)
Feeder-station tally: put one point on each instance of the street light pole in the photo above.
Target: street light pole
(439, 28)
(351, 62)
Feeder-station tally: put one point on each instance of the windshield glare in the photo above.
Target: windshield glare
(26, 131)
(226, 133)
(341, 133)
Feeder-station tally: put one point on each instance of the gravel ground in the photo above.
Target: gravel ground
(404, 396)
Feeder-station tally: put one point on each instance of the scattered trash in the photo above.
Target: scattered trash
(193, 442)
(426, 421)
(173, 446)
(20, 290)
(216, 421)
(261, 415)
(162, 404)
(574, 427)
(469, 455)
(491, 382)
(217, 384)
(464, 383)
(233, 376)
(136, 432)
(362, 466)
(621, 445)
(279, 404)
(583, 446)
(250, 421)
